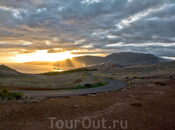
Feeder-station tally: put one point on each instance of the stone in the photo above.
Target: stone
(136, 103)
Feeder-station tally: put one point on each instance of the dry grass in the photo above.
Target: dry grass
(44, 82)
(138, 72)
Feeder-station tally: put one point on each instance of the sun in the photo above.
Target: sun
(42, 55)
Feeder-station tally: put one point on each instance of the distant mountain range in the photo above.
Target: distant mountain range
(80, 61)
(123, 58)
(129, 58)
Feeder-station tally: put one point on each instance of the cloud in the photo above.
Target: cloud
(55, 50)
(73, 25)
(87, 53)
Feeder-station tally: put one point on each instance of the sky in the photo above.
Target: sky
(53, 30)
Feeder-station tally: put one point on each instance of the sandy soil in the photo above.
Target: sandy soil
(143, 105)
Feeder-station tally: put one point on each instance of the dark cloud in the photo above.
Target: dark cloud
(76, 24)
(55, 51)
(87, 53)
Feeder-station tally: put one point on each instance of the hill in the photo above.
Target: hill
(130, 58)
(80, 61)
(7, 71)
(123, 58)
(6, 68)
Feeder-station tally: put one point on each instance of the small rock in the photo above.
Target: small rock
(91, 95)
(159, 92)
(136, 103)
(77, 107)
(20, 103)
(35, 101)
(134, 85)
(123, 89)
(28, 96)
(172, 76)
(131, 96)
(127, 77)
(150, 86)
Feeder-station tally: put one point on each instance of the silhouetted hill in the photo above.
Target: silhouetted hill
(7, 71)
(123, 58)
(89, 60)
(6, 68)
(64, 63)
(130, 58)
(80, 61)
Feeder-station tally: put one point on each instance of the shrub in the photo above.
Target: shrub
(99, 82)
(6, 94)
(159, 83)
(88, 85)
(5, 91)
(135, 77)
(18, 96)
(79, 86)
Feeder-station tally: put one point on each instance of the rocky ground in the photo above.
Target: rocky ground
(127, 73)
(142, 105)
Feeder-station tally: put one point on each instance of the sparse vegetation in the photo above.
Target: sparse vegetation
(7, 95)
(135, 77)
(45, 82)
(116, 90)
(88, 85)
(159, 83)
(78, 81)
(130, 82)
(141, 77)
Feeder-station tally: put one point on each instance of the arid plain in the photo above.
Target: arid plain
(146, 103)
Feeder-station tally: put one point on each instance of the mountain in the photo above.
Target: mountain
(65, 63)
(130, 58)
(80, 61)
(123, 58)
